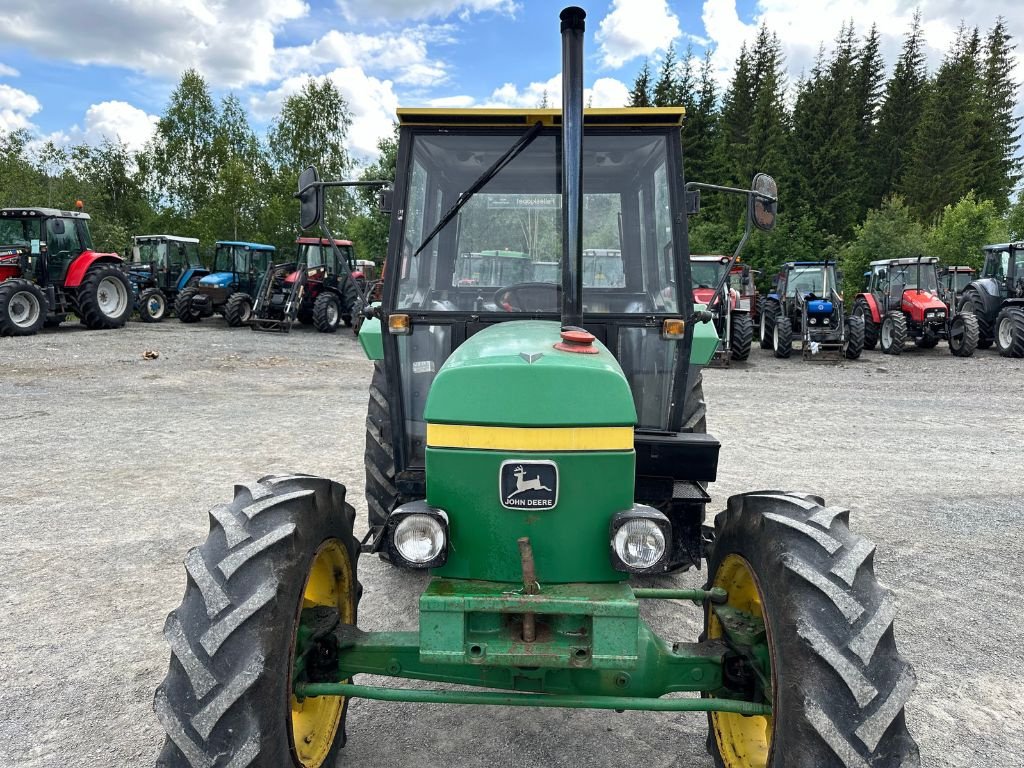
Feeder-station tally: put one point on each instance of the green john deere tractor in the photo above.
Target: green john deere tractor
(535, 447)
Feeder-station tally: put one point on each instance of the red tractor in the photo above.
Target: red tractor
(902, 301)
(730, 301)
(48, 268)
(322, 288)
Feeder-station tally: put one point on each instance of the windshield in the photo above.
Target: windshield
(911, 278)
(150, 253)
(236, 258)
(961, 280)
(810, 279)
(510, 231)
(314, 255)
(20, 232)
(706, 274)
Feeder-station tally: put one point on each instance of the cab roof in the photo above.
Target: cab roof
(174, 238)
(319, 241)
(520, 118)
(42, 213)
(1017, 246)
(250, 246)
(904, 262)
(830, 263)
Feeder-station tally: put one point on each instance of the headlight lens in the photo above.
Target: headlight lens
(639, 543)
(419, 538)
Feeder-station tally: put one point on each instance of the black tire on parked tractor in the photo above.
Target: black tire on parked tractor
(1010, 332)
(183, 306)
(871, 328)
(382, 494)
(973, 303)
(283, 543)
(327, 312)
(839, 682)
(238, 310)
(23, 308)
(854, 343)
(741, 335)
(152, 305)
(769, 311)
(893, 337)
(104, 298)
(782, 336)
(695, 410)
(963, 334)
(926, 340)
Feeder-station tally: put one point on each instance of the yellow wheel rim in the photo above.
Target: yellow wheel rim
(743, 742)
(315, 720)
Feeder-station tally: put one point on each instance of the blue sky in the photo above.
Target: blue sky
(107, 69)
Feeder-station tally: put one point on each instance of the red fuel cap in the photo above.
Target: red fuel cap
(577, 340)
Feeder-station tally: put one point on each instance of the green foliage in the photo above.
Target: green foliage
(889, 232)
(369, 228)
(640, 95)
(1015, 220)
(963, 229)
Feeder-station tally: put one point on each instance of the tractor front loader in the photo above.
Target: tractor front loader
(730, 307)
(535, 452)
(280, 295)
(806, 303)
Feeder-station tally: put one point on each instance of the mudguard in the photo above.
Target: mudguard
(81, 265)
(189, 274)
(869, 299)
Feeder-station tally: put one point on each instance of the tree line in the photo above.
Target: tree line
(205, 173)
(868, 167)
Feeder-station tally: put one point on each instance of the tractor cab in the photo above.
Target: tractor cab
(238, 272)
(46, 240)
(161, 267)
(952, 281)
(1003, 273)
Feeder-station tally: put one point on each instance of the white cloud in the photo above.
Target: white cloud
(372, 103)
(635, 28)
(16, 107)
(118, 121)
(606, 92)
(230, 41)
(393, 10)
(8, 71)
(452, 102)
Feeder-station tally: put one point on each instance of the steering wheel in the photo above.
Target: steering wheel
(528, 297)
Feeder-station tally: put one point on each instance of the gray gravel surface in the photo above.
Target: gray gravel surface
(110, 461)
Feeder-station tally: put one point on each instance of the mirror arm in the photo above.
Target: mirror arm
(325, 184)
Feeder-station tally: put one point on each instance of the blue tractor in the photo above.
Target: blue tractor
(161, 267)
(238, 270)
(805, 300)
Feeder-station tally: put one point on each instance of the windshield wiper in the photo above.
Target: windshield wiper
(510, 154)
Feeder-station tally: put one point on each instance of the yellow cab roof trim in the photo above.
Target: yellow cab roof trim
(503, 118)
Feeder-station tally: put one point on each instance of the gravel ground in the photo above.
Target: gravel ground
(110, 462)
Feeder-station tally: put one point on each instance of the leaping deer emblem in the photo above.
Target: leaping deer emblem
(523, 485)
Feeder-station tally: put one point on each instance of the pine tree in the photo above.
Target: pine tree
(640, 96)
(997, 168)
(667, 91)
(701, 126)
(867, 91)
(941, 168)
(900, 112)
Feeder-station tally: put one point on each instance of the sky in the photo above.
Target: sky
(77, 71)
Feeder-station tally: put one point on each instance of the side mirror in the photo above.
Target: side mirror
(311, 199)
(385, 199)
(692, 202)
(764, 202)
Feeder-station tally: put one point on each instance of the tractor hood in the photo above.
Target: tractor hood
(217, 280)
(916, 301)
(511, 375)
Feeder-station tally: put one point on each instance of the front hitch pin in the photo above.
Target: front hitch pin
(530, 587)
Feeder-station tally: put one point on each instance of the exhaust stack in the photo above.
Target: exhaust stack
(572, 166)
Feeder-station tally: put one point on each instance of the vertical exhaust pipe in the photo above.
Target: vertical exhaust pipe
(572, 165)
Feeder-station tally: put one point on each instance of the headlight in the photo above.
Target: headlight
(417, 535)
(640, 539)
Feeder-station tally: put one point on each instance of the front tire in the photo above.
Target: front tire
(327, 313)
(854, 343)
(22, 308)
(963, 335)
(741, 333)
(782, 336)
(104, 298)
(382, 494)
(973, 303)
(839, 683)
(183, 306)
(283, 544)
(871, 329)
(152, 305)
(769, 311)
(894, 333)
(1010, 332)
(238, 310)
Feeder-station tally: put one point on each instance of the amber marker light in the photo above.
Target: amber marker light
(398, 324)
(673, 328)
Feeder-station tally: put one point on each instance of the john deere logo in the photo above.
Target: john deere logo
(528, 484)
